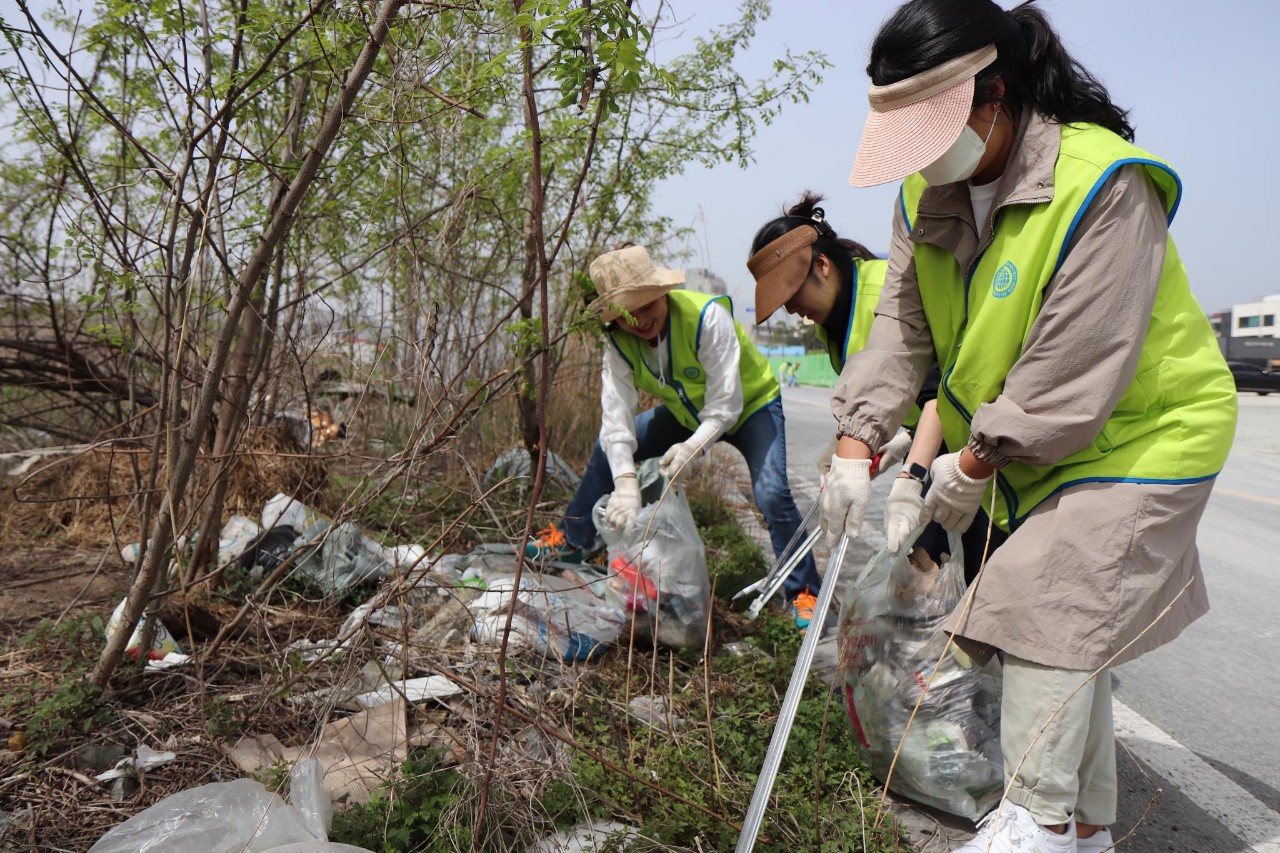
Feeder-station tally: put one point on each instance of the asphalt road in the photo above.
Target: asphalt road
(1198, 719)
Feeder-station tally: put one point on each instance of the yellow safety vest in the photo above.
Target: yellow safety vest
(684, 392)
(1176, 420)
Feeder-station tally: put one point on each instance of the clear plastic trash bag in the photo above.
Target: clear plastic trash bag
(233, 817)
(658, 567)
(890, 643)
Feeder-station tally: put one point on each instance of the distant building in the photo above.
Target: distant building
(1255, 319)
(1248, 332)
(704, 281)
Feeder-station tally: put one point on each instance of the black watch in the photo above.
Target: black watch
(915, 471)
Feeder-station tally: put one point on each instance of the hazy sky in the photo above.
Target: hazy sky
(1200, 78)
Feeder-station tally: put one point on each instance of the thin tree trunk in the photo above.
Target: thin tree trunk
(240, 378)
(530, 235)
(162, 535)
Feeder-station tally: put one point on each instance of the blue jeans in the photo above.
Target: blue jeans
(762, 442)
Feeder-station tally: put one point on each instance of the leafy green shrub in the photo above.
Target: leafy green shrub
(75, 706)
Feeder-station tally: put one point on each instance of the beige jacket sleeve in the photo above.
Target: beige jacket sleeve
(877, 386)
(1084, 346)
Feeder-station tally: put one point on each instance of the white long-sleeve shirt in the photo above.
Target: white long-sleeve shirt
(718, 353)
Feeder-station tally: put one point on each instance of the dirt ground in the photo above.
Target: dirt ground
(46, 582)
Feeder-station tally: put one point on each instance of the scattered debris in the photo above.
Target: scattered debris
(143, 760)
(654, 712)
(334, 557)
(741, 648)
(162, 643)
(357, 753)
(411, 690)
(588, 838)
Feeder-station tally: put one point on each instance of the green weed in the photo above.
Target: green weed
(817, 798)
(733, 559)
(75, 706)
(417, 811)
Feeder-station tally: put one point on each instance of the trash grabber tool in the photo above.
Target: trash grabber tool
(787, 556)
(780, 578)
(782, 730)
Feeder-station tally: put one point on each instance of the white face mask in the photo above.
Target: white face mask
(960, 160)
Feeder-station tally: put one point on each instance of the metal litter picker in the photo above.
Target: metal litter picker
(782, 731)
(790, 557)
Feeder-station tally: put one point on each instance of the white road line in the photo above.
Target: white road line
(1235, 808)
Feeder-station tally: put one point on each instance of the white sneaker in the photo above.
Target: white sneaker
(1096, 843)
(1012, 829)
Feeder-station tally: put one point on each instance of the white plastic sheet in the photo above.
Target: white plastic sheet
(232, 817)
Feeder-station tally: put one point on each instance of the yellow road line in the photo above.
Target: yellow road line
(1249, 496)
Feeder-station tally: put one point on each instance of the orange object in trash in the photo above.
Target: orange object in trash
(633, 582)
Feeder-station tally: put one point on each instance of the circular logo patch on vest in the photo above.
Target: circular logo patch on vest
(1005, 281)
(692, 373)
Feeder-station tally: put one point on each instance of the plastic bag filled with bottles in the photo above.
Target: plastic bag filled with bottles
(892, 665)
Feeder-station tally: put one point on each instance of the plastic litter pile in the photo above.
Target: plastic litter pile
(653, 585)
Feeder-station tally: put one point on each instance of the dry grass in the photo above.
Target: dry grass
(96, 498)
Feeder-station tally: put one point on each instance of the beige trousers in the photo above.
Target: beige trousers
(1060, 720)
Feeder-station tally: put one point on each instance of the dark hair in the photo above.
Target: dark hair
(841, 251)
(1033, 63)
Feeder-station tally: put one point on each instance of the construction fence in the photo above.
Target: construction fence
(815, 369)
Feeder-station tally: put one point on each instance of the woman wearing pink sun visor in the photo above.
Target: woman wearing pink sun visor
(1031, 258)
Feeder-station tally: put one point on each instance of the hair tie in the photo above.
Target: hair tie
(819, 218)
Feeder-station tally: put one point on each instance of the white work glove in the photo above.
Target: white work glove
(624, 503)
(676, 461)
(954, 497)
(845, 497)
(895, 450)
(902, 512)
(823, 461)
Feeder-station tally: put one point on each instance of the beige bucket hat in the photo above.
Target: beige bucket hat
(627, 279)
(914, 121)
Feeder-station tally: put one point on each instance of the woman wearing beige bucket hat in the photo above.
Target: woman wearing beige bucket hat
(686, 349)
(1031, 257)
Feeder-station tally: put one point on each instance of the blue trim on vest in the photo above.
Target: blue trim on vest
(697, 340)
(1015, 522)
(1088, 200)
(618, 347)
(853, 305)
(675, 380)
(902, 205)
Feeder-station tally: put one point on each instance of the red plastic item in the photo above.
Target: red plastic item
(634, 582)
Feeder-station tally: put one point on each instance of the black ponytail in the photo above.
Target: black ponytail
(1035, 67)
